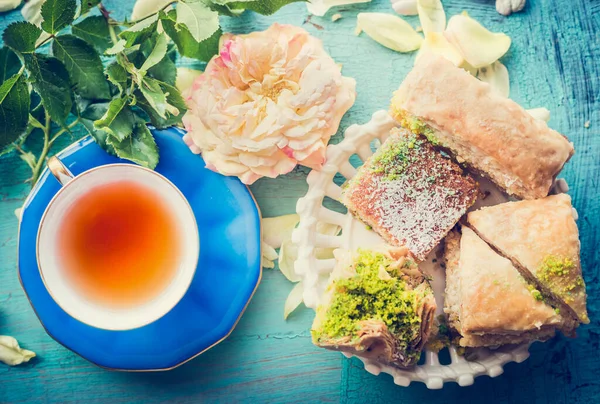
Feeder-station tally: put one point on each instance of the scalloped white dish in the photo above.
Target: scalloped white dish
(362, 140)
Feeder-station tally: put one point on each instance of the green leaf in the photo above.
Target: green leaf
(118, 120)
(186, 44)
(157, 98)
(174, 98)
(84, 66)
(199, 19)
(14, 109)
(57, 14)
(92, 113)
(157, 54)
(9, 64)
(139, 32)
(139, 147)
(165, 70)
(117, 75)
(264, 7)
(87, 5)
(21, 36)
(94, 30)
(50, 79)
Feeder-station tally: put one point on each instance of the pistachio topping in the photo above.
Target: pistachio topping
(370, 296)
(395, 158)
(558, 275)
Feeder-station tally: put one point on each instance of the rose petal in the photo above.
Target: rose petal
(185, 79)
(437, 43)
(320, 7)
(275, 230)
(390, 31)
(431, 15)
(288, 254)
(496, 75)
(293, 300)
(405, 7)
(540, 113)
(475, 43)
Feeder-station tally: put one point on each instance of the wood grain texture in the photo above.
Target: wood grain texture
(554, 62)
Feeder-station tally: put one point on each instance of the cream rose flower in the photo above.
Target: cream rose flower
(269, 101)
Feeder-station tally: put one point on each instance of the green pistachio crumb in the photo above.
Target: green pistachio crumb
(557, 274)
(366, 296)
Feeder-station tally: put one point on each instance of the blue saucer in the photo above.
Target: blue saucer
(229, 267)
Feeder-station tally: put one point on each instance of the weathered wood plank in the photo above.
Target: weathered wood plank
(554, 62)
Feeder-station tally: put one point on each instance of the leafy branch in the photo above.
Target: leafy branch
(109, 77)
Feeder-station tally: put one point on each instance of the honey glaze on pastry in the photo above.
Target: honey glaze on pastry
(492, 134)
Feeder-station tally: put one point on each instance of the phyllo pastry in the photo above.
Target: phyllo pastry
(490, 133)
(377, 305)
(409, 193)
(541, 239)
(487, 301)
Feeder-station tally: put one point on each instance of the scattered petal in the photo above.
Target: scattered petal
(476, 44)
(288, 254)
(269, 252)
(540, 113)
(431, 15)
(269, 255)
(507, 7)
(586, 124)
(470, 69)
(145, 8)
(32, 11)
(11, 353)
(7, 5)
(293, 300)
(320, 7)
(18, 213)
(437, 43)
(328, 229)
(276, 230)
(405, 7)
(185, 78)
(336, 17)
(390, 31)
(496, 75)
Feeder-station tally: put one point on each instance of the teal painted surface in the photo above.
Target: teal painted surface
(554, 62)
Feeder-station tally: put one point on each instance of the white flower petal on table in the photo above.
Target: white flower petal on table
(269, 255)
(293, 300)
(7, 5)
(507, 7)
(476, 44)
(11, 353)
(496, 75)
(540, 113)
(405, 7)
(32, 11)
(145, 8)
(275, 230)
(288, 254)
(390, 31)
(431, 15)
(437, 43)
(320, 7)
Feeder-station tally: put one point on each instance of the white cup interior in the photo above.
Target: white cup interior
(73, 301)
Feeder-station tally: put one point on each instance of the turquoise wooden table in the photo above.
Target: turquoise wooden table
(554, 62)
